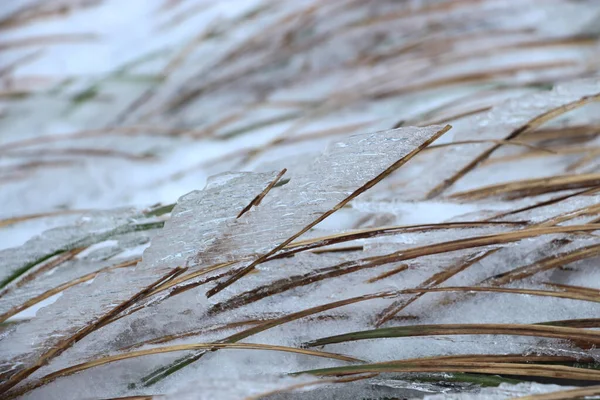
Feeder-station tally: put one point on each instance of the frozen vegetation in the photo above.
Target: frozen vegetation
(291, 199)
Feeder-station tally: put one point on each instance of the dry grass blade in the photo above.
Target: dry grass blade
(553, 261)
(567, 293)
(309, 244)
(371, 262)
(556, 332)
(65, 344)
(470, 77)
(187, 347)
(7, 70)
(505, 358)
(434, 280)
(136, 130)
(47, 40)
(529, 126)
(305, 313)
(341, 204)
(545, 203)
(256, 201)
(390, 230)
(532, 370)
(14, 220)
(387, 274)
(42, 10)
(82, 152)
(571, 394)
(184, 278)
(531, 187)
(563, 133)
(575, 323)
(576, 289)
(498, 142)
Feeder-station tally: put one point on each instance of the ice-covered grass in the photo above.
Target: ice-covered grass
(454, 256)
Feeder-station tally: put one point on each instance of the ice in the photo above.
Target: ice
(316, 188)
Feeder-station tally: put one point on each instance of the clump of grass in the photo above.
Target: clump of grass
(376, 81)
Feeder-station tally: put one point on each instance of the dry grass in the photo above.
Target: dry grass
(433, 60)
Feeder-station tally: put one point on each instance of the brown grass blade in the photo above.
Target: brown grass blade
(576, 289)
(436, 279)
(546, 371)
(367, 233)
(545, 203)
(85, 152)
(187, 347)
(387, 274)
(575, 323)
(256, 201)
(471, 77)
(547, 331)
(498, 142)
(531, 187)
(307, 384)
(566, 294)
(566, 133)
(48, 40)
(553, 261)
(305, 313)
(136, 130)
(14, 220)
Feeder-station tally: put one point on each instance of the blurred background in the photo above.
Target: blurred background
(110, 103)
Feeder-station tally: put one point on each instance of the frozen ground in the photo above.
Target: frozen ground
(111, 111)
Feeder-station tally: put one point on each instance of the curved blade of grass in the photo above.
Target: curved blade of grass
(184, 347)
(14, 220)
(593, 296)
(545, 203)
(531, 187)
(556, 332)
(553, 261)
(575, 323)
(531, 370)
(398, 305)
(498, 142)
(309, 244)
